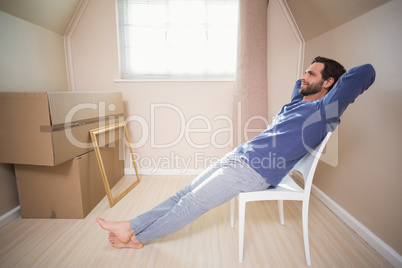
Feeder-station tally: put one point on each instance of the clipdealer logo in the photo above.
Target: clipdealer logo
(217, 132)
(185, 128)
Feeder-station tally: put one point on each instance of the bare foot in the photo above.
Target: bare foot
(133, 243)
(121, 229)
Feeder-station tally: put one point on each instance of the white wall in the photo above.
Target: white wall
(176, 106)
(367, 178)
(367, 181)
(32, 58)
(283, 49)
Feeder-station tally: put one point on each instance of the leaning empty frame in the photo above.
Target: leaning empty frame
(94, 136)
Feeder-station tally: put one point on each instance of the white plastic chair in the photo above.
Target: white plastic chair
(286, 190)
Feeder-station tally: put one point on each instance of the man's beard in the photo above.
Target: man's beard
(311, 89)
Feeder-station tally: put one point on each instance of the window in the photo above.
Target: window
(177, 39)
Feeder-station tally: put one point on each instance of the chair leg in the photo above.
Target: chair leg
(280, 209)
(242, 212)
(305, 234)
(232, 205)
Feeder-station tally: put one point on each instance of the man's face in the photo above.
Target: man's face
(312, 81)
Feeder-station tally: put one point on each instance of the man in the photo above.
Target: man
(319, 99)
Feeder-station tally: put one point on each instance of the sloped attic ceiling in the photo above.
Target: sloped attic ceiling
(314, 17)
(54, 15)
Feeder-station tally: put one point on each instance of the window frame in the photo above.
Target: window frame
(125, 76)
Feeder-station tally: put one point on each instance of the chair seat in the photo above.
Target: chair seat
(288, 184)
(286, 190)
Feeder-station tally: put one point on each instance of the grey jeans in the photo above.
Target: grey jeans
(216, 185)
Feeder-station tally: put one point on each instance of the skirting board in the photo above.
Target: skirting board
(374, 241)
(9, 216)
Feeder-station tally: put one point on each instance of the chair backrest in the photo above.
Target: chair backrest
(307, 165)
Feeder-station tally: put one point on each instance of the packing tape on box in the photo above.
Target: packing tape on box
(78, 123)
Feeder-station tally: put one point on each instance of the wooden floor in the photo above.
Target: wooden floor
(207, 242)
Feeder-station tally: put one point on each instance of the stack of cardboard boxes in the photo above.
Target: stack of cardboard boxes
(46, 136)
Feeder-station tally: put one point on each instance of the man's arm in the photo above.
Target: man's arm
(350, 85)
(295, 94)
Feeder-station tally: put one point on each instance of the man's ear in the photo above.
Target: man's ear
(329, 82)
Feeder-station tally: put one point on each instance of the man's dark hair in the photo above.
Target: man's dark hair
(332, 69)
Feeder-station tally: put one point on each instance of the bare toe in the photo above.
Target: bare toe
(115, 242)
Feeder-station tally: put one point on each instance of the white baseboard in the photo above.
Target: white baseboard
(374, 241)
(150, 171)
(9, 216)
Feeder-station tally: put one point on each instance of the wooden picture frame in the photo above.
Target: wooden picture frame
(94, 136)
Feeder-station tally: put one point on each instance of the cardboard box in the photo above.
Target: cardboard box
(69, 190)
(49, 128)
